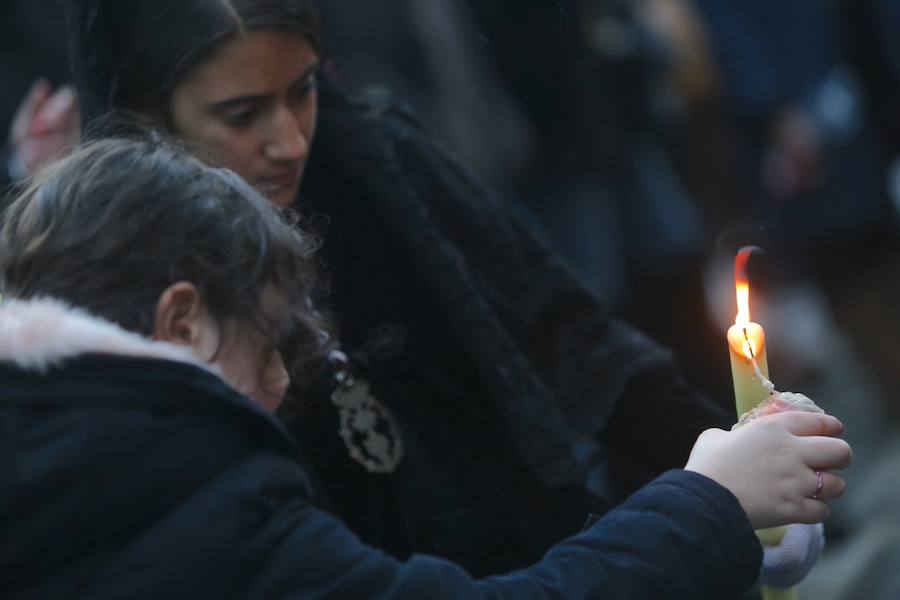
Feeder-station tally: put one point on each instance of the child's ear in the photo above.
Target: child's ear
(182, 318)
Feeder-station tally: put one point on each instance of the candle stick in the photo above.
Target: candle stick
(750, 372)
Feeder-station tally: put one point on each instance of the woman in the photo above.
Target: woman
(479, 363)
(144, 297)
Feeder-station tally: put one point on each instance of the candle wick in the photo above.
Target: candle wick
(749, 345)
(759, 375)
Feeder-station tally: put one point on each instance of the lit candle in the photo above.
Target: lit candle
(750, 372)
(746, 343)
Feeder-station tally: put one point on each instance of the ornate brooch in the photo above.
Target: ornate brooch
(368, 429)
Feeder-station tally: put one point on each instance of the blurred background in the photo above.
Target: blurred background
(648, 140)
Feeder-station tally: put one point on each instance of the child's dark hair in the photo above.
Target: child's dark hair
(118, 221)
(132, 54)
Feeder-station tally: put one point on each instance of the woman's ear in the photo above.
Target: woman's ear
(182, 319)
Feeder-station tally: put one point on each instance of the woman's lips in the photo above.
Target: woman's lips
(283, 181)
(280, 188)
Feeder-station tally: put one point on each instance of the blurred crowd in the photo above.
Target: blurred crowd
(648, 140)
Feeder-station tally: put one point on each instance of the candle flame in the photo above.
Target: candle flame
(742, 288)
(742, 284)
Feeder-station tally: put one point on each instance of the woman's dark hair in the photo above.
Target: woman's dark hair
(118, 221)
(132, 54)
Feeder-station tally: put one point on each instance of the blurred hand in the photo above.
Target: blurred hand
(794, 160)
(46, 124)
(770, 466)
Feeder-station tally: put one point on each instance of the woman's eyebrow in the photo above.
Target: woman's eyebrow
(249, 98)
(231, 102)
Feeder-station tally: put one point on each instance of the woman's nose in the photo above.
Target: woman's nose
(288, 141)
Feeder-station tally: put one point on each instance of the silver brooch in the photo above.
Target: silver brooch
(368, 429)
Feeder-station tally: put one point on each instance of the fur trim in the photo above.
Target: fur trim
(42, 333)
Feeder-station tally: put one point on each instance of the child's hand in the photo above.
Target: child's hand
(772, 466)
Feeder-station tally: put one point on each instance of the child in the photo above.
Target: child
(145, 297)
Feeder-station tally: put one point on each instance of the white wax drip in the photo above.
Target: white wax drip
(762, 378)
(759, 375)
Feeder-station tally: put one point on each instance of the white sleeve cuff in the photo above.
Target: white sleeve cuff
(786, 564)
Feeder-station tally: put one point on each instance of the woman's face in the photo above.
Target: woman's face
(252, 107)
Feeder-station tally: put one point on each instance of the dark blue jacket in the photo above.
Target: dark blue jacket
(138, 478)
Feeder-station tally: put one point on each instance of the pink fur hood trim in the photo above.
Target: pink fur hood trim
(42, 333)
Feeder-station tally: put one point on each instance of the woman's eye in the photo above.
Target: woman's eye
(240, 118)
(303, 90)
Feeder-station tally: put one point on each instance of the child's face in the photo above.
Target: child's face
(252, 107)
(248, 361)
(244, 354)
(252, 367)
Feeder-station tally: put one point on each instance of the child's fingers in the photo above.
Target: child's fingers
(806, 423)
(812, 511)
(825, 453)
(832, 486)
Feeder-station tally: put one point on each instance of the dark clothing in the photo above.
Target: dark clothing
(504, 362)
(144, 478)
